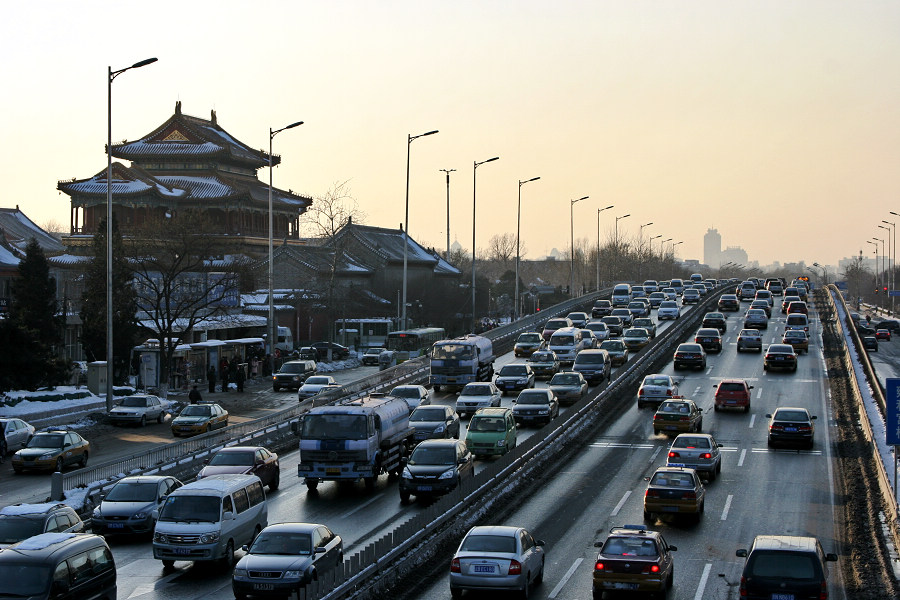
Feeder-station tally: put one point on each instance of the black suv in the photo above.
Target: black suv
(21, 521)
(785, 566)
(338, 352)
(293, 374)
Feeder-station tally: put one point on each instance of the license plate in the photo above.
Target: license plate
(670, 509)
(424, 488)
(777, 596)
(451, 380)
(791, 429)
(482, 568)
(332, 471)
(184, 551)
(264, 586)
(671, 427)
(116, 525)
(624, 586)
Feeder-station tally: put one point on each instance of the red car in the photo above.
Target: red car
(732, 393)
(883, 334)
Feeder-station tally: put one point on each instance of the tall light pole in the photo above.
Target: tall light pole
(617, 241)
(641, 248)
(475, 165)
(273, 329)
(883, 300)
(518, 223)
(824, 272)
(409, 141)
(109, 215)
(893, 263)
(876, 263)
(448, 171)
(888, 274)
(572, 245)
(650, 245)
(599, 210)
(662, 249)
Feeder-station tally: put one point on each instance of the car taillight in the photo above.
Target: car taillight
(706, 455)
(454, 566)
(657, 417)
(823, 594)
(743, 589)
(641, 392)
(668, 392)
(768, 357)
(515, 568)
(651, 569)
(674, 455)
(690, 495)
(684, 418)
(804, 428)
(651, 494)
(598, 566)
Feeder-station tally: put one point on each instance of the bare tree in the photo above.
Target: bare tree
(331, 211)
(54, 228)
(502, 248)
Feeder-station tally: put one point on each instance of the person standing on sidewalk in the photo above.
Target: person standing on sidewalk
(239, 378)
(195, 396)
(224, 373)
(211, 378)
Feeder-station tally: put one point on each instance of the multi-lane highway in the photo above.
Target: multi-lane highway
(759, 491)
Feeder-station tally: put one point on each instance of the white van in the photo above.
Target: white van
(566, 343)
(621, 295)
(678, 286)
(206, 520)
(797, 321)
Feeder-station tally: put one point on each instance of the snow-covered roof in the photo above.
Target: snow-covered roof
(43, 540)
(212, 323)
(27, 509)
(17, 230)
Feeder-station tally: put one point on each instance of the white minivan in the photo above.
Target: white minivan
(566, 343)
(206, 520)
(621, 295)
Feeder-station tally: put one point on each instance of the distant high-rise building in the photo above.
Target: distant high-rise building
(712, 248)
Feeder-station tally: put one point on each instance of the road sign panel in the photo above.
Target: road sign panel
(893, 292)
(892, 402)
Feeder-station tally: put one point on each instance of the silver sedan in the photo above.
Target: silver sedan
(497, 558)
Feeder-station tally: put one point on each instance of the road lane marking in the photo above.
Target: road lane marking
(702, 584)
(759, 393)
(741, 459)
(620, 504)
(655, 453)
(752, 420)
(727, 506)
(566, 577)
(621, 445)
(361, 506)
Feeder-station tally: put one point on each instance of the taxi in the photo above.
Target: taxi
(199, 418)
(796, 338)
(52, 451)
(674, 491)
(678, 415)
(633, 559)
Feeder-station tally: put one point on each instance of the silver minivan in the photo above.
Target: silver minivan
(207, 519)
(566, 343)
(621, 295)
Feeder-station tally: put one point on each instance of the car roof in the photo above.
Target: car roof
(294, 527)
(438, 443)
(733, 380)
(45, 545)
(690, 345)
(502, 530)
(784, 542)
(492, 411)
(781, 348)
(707, 331)
(146, 478)
(241, 449)
(31, 509)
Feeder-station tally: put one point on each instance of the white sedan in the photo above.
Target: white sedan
(668, 310)
(315, 384)
(477, 395)
(138, 409)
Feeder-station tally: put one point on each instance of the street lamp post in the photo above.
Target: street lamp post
(824, 272)
(111, 75)
(599, 210)
(273, 329)
(650, 245)
(518, 224)
(889, 273)
(448, 171)
(617, 241)
(876, 263)
(893, 262)
(662, 249)
(572, 245)
(475, 165)
(409, 141)
(641, 248)
(883, 300)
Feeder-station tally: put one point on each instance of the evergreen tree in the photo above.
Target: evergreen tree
(93, 304)
(34, 327)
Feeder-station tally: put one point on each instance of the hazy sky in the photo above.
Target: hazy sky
(775, 122)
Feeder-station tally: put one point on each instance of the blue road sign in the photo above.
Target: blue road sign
(893, 292)
(892, 400)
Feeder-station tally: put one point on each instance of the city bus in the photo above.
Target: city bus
(370, 333)
(414, 342)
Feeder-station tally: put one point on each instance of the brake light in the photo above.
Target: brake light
(657, 417)
(823, 595)
(805, 428)
(641, 392)
(674, 455)
(706, 455)
(651, 494)
(598, 566)
(690, 495)
(651, 569)
(684, 418)
(515, 568)
(454, 566)
(743, 590)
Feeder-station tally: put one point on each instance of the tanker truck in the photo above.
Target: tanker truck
(362, 438)
(459, 361)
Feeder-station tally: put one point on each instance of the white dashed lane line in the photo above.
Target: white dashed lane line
(620, 504)
(741, 459)
(566, 577)
(727, 506)
(702, 584)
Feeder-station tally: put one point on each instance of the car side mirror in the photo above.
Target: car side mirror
(672, 548)
(741, 553)
(831, 556)
(155, 514)
(245, 548)
(295, 427)
(321, 549)
(539, 543)
(813, 417)
(228, 516)
(598, 544)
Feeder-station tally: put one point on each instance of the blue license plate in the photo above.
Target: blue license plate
(791, 429)
(182, 551)
(116, 525)
(777, 596)
(264, 586)
(482, 568)
(424, 488)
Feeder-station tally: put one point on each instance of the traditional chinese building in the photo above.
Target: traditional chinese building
(187, 163)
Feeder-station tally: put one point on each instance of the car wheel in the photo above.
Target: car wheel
(404, 497)
(168, 564)
(455, 592)
(161, 417)
(699, 426)
(312, 483)
(17, 470)
(526, 589)
(711, 475)
(143, 421)
(228, 558)
(648, 518)
(437, 388)
(59, 464)
(747, 409)
(275, 388)
(84, 459)
(716, 408)
(540, 576)
(273, 485)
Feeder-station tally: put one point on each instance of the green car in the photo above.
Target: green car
(491, 431)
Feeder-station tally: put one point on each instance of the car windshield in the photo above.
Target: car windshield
(593, 358)
(689, 348)
(489, 543)
(318, 381)
(541, 356)
(675, 407)
(429, 455)
(708, 332)
(629, 546)
(188, 509)
(134, 402)
(292, 367)
(15, 528)
(782, 566)
(530, 338)
(780, 349)
(405, 392)
(480, 423)
(613, 345)
(669, 304)
(562, 340)
(132, 491)
(513, 371)
(283, 543)
(750, 333)
(334, 427)
(534, 397)
(24, 579)
(372, 351)
(46, 440)
(715, 316)
(670, 479)
(791, 415)
(243, 458)
(196, 411)
(428, 413)
(731, 387)
(651, 380)
(476, 390)
(690, 442)
(638, 333)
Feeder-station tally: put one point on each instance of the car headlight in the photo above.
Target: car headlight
(406, 474)
(501, 443)
(439, 429)
(450, 474)
(293, 574)
(295, 378)
(240, 572)
(544, 411)
(47, 456)
(96, 513)
(140, 516)
(162, 538)
(209, 538)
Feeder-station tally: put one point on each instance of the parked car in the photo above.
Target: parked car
(127, 507)
(338, 352)
(415, 395)
(52, 450)
(497, 558)
(17, 433)
(199, 418)
(21, 521)
(284, 557)
(477, 395)
(245, 460)
(138, 409)
(370, 357)
(536, 406)
(785, 566)
(435, 468)
(434, 422)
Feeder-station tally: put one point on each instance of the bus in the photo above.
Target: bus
(371, 333)
(414, 342)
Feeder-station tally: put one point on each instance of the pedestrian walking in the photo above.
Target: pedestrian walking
(3, 447)
(195, 396)
(225, 374)
(240, 378)
(254, 367)
(211, 378)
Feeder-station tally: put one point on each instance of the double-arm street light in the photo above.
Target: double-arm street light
(599, 210)
(409, 141)
(273, 329)
(475, 166)
(572, 245)
(641, 248)
(650, 245)
(893, 261)
(824, 272)
(617, 241)
(888, 275)
(518, 223)
(883, 300)
(109, 215)
(448, 171)
(662, 248)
